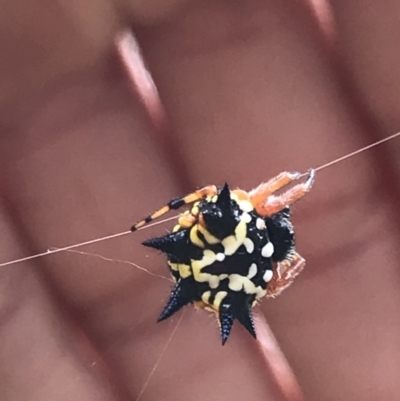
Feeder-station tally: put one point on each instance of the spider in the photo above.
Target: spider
(231, 248)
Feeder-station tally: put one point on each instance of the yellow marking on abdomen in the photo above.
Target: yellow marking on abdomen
(173, 266)
(239, 283)
(233, 242)
(208, 236)
(209, 257)
(205, 297)
(194, 237)
(184, 270)
(219, 297)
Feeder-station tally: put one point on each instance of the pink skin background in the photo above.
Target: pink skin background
(249, 89)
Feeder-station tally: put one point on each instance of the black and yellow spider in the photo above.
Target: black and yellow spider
(231, 248)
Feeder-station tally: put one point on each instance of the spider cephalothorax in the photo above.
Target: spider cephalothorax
(231, 249)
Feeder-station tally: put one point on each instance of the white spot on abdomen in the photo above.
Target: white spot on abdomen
(267, 250)
(260, 224)
(268, 276)
(252, 270)
(220, 257)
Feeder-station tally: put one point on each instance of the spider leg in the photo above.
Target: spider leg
(257, 195)
(187, 219)
(274, 204)
(284, 274)
(177, 203)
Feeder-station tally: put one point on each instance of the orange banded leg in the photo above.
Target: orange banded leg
(284, 274)
(275, 204)
(177, 203)
(259, 194)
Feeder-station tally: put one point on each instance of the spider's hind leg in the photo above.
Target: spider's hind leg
(177, 203)
(284, 274)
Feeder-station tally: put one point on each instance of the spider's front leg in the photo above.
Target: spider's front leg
(177, 203)
(257, 195)
(284, 274)
(274, 204)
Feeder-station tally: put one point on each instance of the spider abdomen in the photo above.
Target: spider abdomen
(225, 266)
